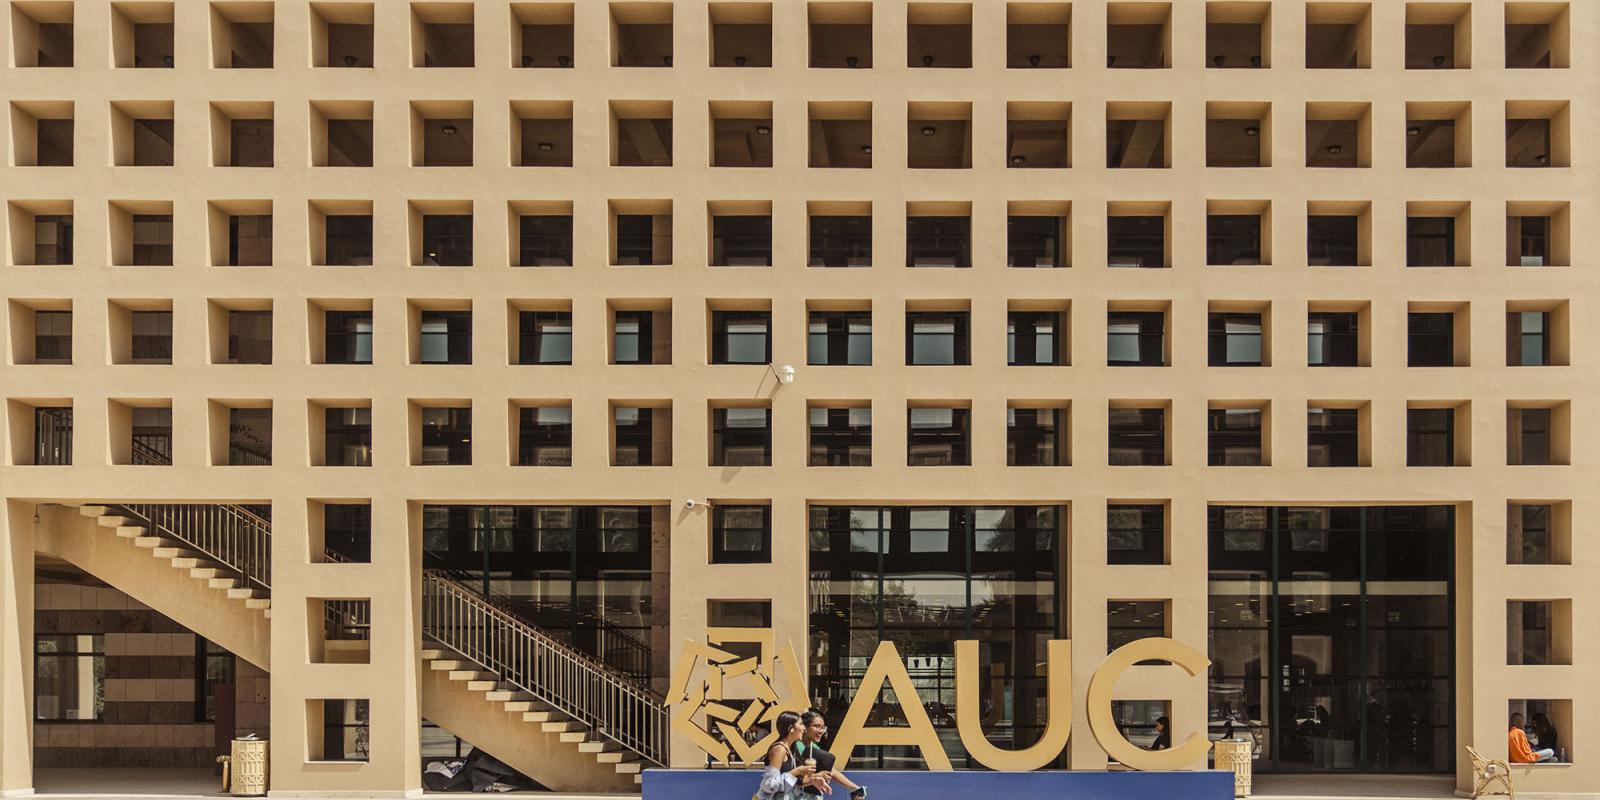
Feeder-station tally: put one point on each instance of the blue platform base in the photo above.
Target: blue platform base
(703, 784)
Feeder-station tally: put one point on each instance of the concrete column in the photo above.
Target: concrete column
(16, 649)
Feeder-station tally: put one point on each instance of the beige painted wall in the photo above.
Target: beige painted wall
(397, 489)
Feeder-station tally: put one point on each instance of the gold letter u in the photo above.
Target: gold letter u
(969, 722)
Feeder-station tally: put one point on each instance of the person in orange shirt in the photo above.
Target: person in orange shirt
(1517, 745)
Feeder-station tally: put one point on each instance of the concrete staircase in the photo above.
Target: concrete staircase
(162, 573)
(530, 736)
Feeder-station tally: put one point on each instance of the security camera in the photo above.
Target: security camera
(691, 504)
(786, 374)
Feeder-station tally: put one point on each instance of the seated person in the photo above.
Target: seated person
(1518, 748)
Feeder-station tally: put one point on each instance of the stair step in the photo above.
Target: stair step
(130, 531)
(267, 612)
(630, 767)
(114, 522)
(93, 511)
(469, 675)
(564, 726)
(446, 664)
(616, 757)
(600, 746)
(263, 603)
(241, 593)
(202, 572)
(482, 686)
(544, 715)
(171, 552)
(152, 541)
(574, 737)
(430, 655)
(520, 706)
(505, 696)
(221, 583)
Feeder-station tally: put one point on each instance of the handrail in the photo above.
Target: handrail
(607, 700)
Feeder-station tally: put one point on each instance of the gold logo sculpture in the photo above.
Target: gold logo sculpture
(719, 668)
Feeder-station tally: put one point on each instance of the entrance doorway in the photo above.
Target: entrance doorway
(1330, 635)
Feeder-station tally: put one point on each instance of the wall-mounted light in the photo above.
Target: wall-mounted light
(1111, 61)
(1017, 161)
(546, 146)
(1033, 60)
(527, 61)
(866, 149)
(763, 130)
(739, 61)
(666, 61)
(1413, 131)
(350, 61)
(851, 61)
(1252, 131)
(1335, 149)
(927, 61)
(449, 129)
(1438, 61)
(1217, 61)
(564, 61)
(1255, 61)
(929, 130)
(1541, 159)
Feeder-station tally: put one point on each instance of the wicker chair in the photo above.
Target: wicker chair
(1486, 773)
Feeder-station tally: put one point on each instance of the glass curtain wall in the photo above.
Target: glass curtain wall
(1330, 636)
(924, 578)
(580, 573)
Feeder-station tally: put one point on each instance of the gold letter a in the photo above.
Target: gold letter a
(918, 731)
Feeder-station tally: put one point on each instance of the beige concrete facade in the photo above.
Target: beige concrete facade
(195, 94)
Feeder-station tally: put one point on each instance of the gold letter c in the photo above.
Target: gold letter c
(1104, 725)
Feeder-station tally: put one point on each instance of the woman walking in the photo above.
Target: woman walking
(782, 777)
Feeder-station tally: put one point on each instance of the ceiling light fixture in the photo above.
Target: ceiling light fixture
(1541, 159)
(866, 149)
(546, 146)
(927, 61)
(1413, 131)
(1017, 161)
(763, 130)
(1217, 61)
(564, 61)
(1255, 61)
(929, 130)
(666, 61)
(350, 61)
(1033, 60)
(851, 61)
(449, 129)
(1252, 131)
(1335, 149)
(1438, 61)
(739, 61)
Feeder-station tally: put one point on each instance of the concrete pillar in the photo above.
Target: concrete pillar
(16, 649)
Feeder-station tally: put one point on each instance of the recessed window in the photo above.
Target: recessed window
(1233, 239)
(939, 241)
(1138, 240)
(544, 240)
(1333, 338)
(741, 240)
(937, 338)
(741, 337)
(249, 336)
(741, 34)
(641, 336)
(1236, 437)
(545, 337)
(544, 35)
(841, 437)
(446, 240)
(741, 437)
(1136, 533)
(339, 729)
(544, 436)
(444, 337)
(1036, 437)
(939, 136)
(839, 338)
(641, 436)
(1035, 338)
(1431, 437)
(249, 437)
(52, 337)
(1128, 621)
(445, 436)
(1137, 436)
(1333, 240)
(1430, 339)
(840, 35)
(1235, 339)
(346, 533)
(347, 436)
(151, 337)
(348, 337)
(1136, 338)
(938, 35)
(42, 34)
(1036, 241)
(1038, 35)
(741, 534)
(840, 240)
(938, 437)
(641, 34)
(1333, 437)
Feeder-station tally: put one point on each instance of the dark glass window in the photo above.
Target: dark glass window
(1136, 533)
(1128, 621)
(1136, 338)
(1036, 241)
(1430, 241)
(1333, 437)
(544, 436)
(1530, 536)
(937, 338)
(1233, 239)
(69, 677)
(839, 338)
(636, 240)
(1234, 437)
(249, 337)
(841, 241)
(635, 436)
(741, 437)
(344, 730)
(937, 437)
(545, 337)
(544, 240)
(741, 535)
(151, 438)
(446, 337)
(249, 240)
(1528, 239)
(1035, 437)
(348, 437)
(152, 240)
(249, 436)
(1035, 338)
(1528, 436)
(938, 241)
(1137, 437)
(348, 239)
(632, 337)
(1333, 338)
(347, 531)
(1528, 339)
(53, 139)
(1136, 241)
(447, 240)
(1234, 339)
(152, 337)
(1430, 437)
(52, 239)
(250, 143)
(741, 337)
(841, 437)
(52, 436)
(446, 436)
(1333, 240)
(348, 337)
(52, 337)
(741, 241)
(1430, 339)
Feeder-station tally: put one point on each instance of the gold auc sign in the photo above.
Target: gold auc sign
(706, 674)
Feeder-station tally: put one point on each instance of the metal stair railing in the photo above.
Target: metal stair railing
(608, 701)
